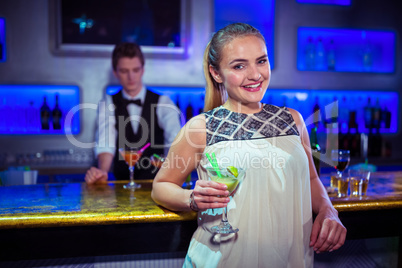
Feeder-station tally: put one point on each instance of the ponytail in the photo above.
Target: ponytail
(215, 94)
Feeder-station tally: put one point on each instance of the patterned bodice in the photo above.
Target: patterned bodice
(271, 121)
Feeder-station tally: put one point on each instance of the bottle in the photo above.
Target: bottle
(178, 101)
(310, 54)
(331, 56)
(332, 126)
(320, 63)
(56, 114)
(353, 136)
(368, 115)
(316, 112)
(189, 111)
(45, 115)
(334, 114)
(315, 148)
(377, 116)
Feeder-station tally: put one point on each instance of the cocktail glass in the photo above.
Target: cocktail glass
(231, 182)
(157, 160)
(131, 156)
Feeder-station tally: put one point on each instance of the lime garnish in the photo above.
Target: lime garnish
(232, 170)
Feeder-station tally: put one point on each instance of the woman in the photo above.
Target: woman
(273, 205)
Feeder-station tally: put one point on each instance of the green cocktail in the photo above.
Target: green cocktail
(229, 181)
(230, 176)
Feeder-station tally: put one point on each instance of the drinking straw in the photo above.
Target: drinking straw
(145, 147)
(214, 164)
(157, 156)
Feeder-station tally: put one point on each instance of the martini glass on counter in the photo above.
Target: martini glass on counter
(131, 156)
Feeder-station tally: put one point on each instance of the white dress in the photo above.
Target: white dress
(271, 207)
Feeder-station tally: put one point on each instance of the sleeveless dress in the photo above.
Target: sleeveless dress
(272, 204)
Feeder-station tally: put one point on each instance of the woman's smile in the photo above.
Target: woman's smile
(254, 87)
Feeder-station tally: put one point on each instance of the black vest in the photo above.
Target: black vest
(148, 131)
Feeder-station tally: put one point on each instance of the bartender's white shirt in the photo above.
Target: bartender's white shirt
(106, 134)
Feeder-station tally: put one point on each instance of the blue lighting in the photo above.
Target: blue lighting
(20, 107)
(260, 14)
(327, 2)
(345, 50)
(18, 199)
(345, 100)
(303, 100)
(2, 40)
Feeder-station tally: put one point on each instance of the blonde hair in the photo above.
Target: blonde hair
(215, 93)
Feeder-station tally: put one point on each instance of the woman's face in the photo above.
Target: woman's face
(244, 70)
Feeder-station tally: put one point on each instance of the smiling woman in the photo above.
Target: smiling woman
(272, 206)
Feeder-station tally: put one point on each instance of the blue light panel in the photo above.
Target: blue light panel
(345, 50)
(260, 14)
(327, 2)
(347, 100)
(2, 40)
(303, 101)
(20, 105)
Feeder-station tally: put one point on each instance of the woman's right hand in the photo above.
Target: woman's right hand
(210, 194)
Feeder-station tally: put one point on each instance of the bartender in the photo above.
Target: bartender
(128, 117)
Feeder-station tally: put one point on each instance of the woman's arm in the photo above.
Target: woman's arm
(328, 232)
(184, 155)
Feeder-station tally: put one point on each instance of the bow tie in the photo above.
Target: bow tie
(136, 102)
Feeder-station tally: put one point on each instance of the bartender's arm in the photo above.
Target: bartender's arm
(99, 175)
(105, 147)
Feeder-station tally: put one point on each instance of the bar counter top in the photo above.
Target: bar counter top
(79, 204)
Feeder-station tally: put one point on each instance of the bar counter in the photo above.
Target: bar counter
(78, 204)
(133, 222)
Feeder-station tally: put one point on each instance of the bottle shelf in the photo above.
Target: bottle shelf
(2, 40)
(327, 2)
(336, 105)
(24, 112)
(345, 50)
